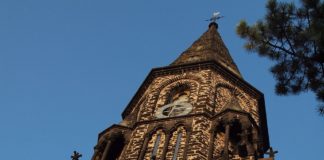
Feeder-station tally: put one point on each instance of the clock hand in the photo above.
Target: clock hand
(172, 108)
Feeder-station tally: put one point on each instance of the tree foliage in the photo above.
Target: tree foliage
(293, 37)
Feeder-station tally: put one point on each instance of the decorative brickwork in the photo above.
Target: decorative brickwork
(226, 118)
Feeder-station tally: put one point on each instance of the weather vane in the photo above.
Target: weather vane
(216, 16)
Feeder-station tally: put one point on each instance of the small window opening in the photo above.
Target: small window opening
(180, 93)
(156, 146)
(176, 150)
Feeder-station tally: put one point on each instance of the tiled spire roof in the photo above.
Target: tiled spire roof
(208, 47)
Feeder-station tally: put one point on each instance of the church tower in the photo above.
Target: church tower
(197, 108)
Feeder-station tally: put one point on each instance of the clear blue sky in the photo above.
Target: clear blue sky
(69, 67)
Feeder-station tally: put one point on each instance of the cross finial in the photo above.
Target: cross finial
(76, 155)
(271, 152)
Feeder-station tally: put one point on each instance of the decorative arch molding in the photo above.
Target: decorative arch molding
(170, 132)
(179, 78)
(179, 88)
(229, 87)
(190, 85)
(155, 91)
(235, 92)
(140, 106)
(193, 78)
(153, 130)
(191, 82)
(175, 127)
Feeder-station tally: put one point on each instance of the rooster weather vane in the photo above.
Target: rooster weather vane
(216, 16)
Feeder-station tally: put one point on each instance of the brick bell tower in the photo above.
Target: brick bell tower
(199, 107)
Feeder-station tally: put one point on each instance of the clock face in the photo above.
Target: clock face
(177, 108)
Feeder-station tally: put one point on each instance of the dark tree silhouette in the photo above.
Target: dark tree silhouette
(293, 36)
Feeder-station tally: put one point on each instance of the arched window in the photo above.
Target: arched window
(155, 145)
(236, 144)
(181, 93)
(177, 144)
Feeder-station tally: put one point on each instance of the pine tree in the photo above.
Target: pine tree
(293, 37)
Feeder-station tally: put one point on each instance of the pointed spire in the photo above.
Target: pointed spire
(209, 46)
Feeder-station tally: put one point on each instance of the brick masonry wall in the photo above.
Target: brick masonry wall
(135, 144)
(199, 140)
(209, 93)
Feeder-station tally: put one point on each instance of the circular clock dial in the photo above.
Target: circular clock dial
(174, 109)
